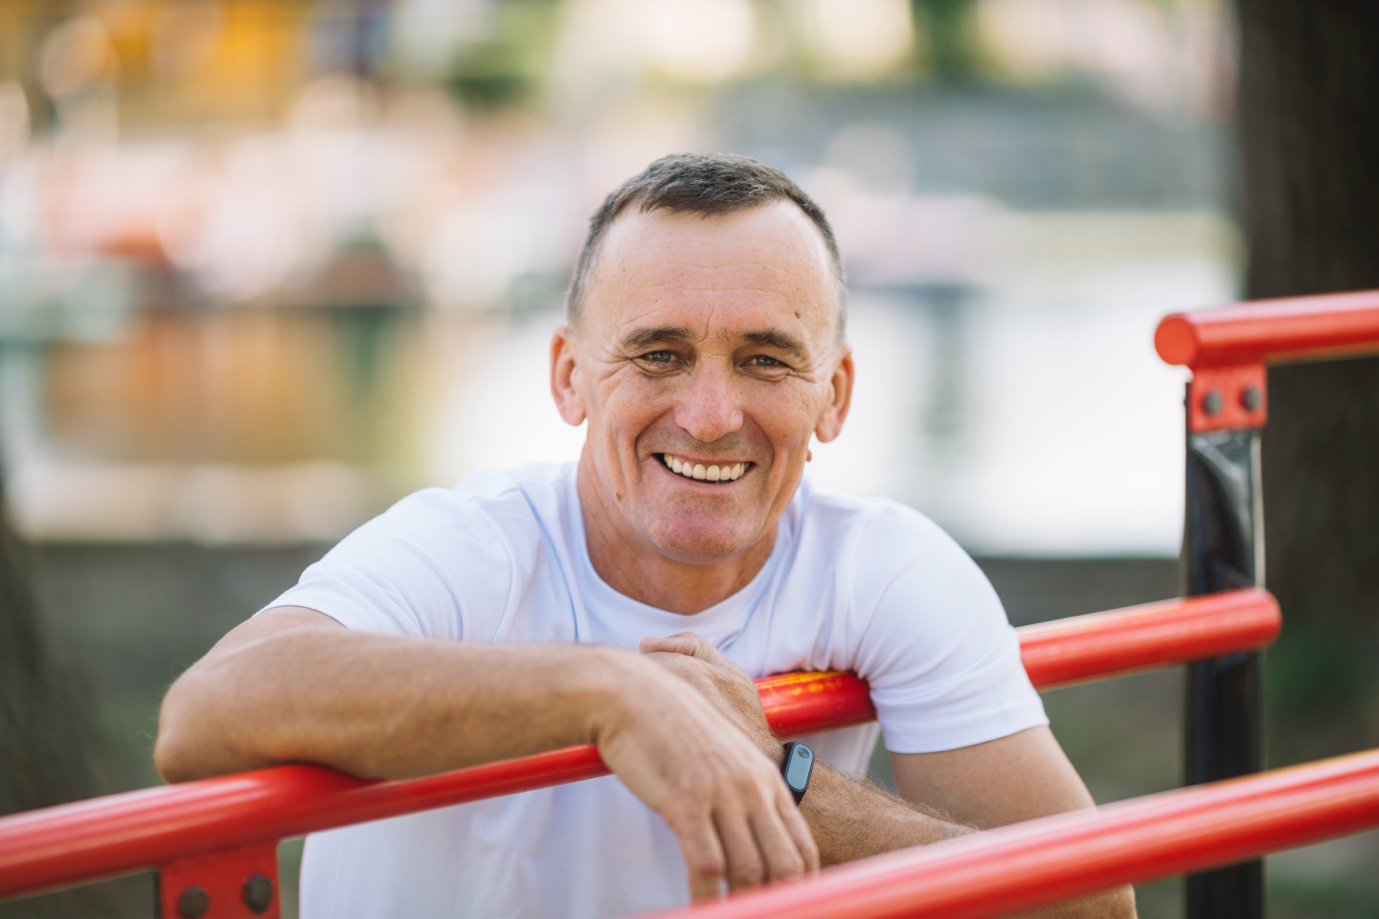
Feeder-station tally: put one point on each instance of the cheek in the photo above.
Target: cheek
(627, 409)
(790, 418)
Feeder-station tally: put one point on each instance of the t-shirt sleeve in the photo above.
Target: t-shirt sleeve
(935, 645)
(427, 568)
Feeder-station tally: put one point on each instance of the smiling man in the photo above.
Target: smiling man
(629, 599)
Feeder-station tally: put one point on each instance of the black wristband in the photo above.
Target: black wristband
(796, 767)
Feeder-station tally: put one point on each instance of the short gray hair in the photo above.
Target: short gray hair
(700, 183)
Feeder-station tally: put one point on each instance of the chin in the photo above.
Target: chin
(701, 545)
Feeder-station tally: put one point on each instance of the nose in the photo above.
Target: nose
(709, 406)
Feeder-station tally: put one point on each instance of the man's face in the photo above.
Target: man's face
(707, 348)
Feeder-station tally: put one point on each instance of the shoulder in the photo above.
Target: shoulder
(513, 501)
(877, 533)
(892, 570)
(925, 629)
(441, 562)
(859, 560)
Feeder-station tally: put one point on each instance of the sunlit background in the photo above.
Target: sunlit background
(267, 266)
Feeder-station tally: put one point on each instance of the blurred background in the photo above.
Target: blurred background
(267, 266)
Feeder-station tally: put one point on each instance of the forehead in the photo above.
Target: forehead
(766, 264)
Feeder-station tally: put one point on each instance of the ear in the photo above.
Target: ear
(567, 398)
(840, 398)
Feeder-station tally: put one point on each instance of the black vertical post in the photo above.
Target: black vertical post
(1223, 549)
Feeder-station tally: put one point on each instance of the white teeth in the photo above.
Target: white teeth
(701, 473)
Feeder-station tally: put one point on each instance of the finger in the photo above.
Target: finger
(689, 644)
(802, 835)
(704, 860)
(787, 854)
(686, 643)
(705, 650)
(746, 864)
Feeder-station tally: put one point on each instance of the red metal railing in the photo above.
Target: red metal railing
(1228, 348)
(1055, 858)
(1141, 637)
(1267, 331)
(108, 836)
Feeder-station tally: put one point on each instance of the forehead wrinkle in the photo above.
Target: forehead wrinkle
(769, 337)
(705, 278)
(654, 262)
(727, 266)
(716, 290)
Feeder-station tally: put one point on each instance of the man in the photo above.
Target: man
(627, 600)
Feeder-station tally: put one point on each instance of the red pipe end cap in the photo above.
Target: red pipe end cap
(1176, 340)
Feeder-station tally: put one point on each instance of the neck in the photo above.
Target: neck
(647, 575)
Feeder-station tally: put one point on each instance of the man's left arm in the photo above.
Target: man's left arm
(1007, 780)
(946, 794)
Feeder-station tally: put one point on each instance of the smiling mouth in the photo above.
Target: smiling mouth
(701, 473)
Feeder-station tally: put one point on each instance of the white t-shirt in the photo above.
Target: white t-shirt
(868, 586)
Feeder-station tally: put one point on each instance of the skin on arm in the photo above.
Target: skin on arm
(1019, 777)
(293, 685)
(1014, 778)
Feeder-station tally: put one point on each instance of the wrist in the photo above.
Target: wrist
(610, 678)
(623, 688)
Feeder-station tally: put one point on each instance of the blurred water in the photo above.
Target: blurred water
(1029, 416)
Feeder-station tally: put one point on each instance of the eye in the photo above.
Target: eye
(662, 361)
(766, 367)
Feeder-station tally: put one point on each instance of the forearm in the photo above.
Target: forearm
(378, 706)
(851, 820)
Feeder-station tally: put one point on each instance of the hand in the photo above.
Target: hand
(725, 801)
(719, 680)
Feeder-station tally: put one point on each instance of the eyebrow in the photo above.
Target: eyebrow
(771, 338)
(775, 338)
(644, 337)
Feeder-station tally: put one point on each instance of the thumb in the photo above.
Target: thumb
(686, 643)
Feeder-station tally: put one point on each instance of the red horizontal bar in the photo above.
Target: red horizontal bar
(88, 840)
(1140, 637)
(1332, 325)
(1056, 858)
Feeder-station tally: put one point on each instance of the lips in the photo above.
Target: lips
(699, 472)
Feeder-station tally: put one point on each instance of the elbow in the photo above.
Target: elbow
(183, 750)
(1125, 905)
(172, 750)
(1116, 903)
(169, 759)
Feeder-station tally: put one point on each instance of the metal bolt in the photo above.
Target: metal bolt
(1250, 398)
(1211, 404)
(193, 903)
(258, 893)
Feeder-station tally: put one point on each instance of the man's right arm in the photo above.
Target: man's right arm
(293, 685)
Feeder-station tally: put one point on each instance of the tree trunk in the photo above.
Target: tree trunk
(1308, 134)
(48, 748)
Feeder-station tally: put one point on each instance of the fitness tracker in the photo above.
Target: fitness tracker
(797, 767)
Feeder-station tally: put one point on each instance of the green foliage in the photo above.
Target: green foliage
(509, 68)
